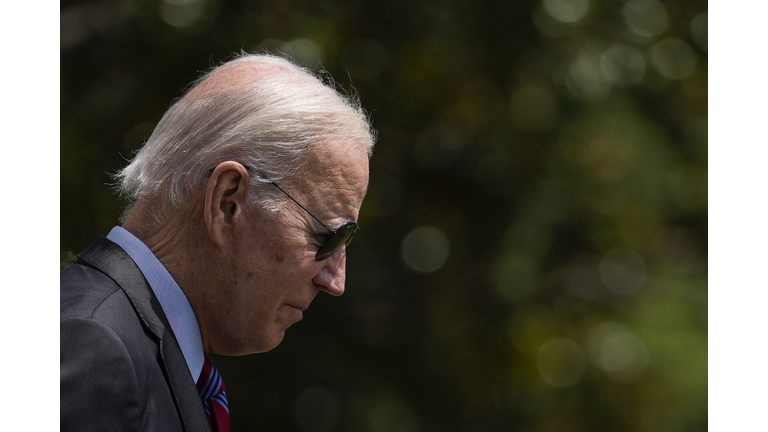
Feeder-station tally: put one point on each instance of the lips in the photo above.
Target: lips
(298, 308)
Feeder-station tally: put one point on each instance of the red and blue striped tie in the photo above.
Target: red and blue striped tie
(214, 396)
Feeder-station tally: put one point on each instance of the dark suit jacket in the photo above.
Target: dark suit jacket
(121, 367)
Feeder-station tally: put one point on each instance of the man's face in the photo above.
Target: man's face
(272, 275)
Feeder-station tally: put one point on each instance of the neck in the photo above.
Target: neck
(179, 244)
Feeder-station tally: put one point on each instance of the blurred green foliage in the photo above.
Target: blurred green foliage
(533, 253)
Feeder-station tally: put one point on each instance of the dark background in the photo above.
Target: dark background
(533, 253)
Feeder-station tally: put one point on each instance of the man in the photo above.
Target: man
(242, 203)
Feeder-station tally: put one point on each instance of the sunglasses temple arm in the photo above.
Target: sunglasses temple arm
(265, 176)
(297, 203)
(302, 207)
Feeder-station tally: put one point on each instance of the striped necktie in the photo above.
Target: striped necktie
(214, 396)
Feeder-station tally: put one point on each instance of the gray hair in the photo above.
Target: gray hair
(270, 116)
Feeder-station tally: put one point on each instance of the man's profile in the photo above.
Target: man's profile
(241, 205)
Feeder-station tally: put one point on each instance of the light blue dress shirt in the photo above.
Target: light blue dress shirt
(175, 304)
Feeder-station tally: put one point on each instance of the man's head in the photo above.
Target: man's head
(205, 199)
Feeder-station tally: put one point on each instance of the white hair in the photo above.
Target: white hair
(260, 110)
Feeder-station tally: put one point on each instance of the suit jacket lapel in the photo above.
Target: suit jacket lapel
(112, 260)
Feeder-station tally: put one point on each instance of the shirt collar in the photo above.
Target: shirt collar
(175, 304)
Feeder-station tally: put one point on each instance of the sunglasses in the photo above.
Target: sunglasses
(339, 237)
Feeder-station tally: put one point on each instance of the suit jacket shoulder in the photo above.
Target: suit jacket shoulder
(121, 368)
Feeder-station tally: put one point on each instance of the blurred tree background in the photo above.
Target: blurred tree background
(533, 254)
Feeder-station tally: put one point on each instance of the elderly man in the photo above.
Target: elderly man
(243, 201)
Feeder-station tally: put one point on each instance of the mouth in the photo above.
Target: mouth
(296, 313)
(298, 308)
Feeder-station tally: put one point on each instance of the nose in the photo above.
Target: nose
(333, 274)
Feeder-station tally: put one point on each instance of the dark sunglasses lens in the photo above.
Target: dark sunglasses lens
(342, 237)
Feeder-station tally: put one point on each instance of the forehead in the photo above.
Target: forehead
(340, 161)
(338, 180)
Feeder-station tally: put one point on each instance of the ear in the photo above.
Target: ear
(225, 196)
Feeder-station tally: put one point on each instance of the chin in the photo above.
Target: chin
(267, 344)
(255, 345)
(274, 342)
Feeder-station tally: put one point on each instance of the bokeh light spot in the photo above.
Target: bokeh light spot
(306, 52)
(622, 270)
(425, 249)
(392, 415)
(434, 147)
(561, 362)
(586, 78)
(182, 13)
(440, 143)
(365, 58)
(567, 10)
(673, 58)
(617, 351)
(646, 18)
(317, 409)
(623, 65)
(699, 31)
(549, 26)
